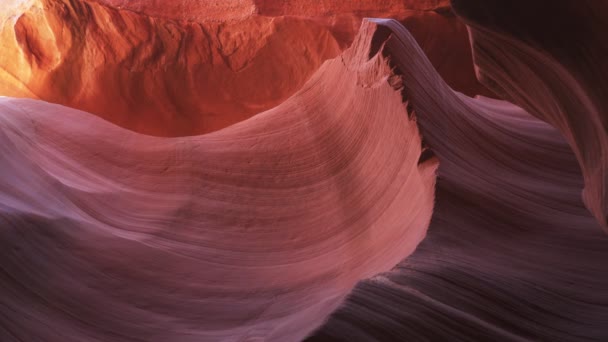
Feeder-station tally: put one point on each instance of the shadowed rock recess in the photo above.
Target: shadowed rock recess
(257, 170)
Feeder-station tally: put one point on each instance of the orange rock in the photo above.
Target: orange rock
(255, 232)
(158, 76)
(155, 70)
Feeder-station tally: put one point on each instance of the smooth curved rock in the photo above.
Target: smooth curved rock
(259, 230)
(254, 232)
(556, 69)
(511, 253)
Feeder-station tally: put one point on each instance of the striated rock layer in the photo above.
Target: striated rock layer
(511, 254)
(167, 76)
(556, 71)
(254, 232)
(258, 231)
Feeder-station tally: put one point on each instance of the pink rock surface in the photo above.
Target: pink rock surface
(257, 231)
(556, 69)
(511, 254)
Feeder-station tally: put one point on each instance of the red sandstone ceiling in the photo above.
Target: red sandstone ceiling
(289, 170)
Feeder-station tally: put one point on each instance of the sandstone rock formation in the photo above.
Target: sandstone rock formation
(255, 231)
(148, 68)
(558, 72)
(237, 9)
(511, 254)
(158, 76)
(369, 157)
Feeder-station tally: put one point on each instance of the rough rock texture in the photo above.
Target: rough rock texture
(254, 232)
(169, 77)
(196, 10)
(191, 10)
(557, 69)
(157, 76)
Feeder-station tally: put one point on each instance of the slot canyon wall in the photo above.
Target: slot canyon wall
(289, 170)
(192, 67)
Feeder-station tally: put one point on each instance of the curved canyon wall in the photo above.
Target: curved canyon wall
(165, 74)
(287, 225)
(558, 72)
(511, 254)
(250, 228)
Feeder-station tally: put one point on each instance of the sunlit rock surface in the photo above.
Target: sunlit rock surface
(244, 233)
(334, 150)
(155, 70)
